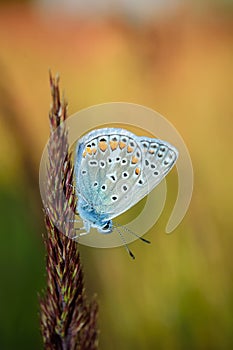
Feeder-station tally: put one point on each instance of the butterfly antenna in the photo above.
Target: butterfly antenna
(125, 244)
(133, 233)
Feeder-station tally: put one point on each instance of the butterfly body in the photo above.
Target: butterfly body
(92, 218)
(115, 169)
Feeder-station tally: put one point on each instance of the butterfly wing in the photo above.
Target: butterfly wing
(158, 158)
(115, 169)
(108, 164)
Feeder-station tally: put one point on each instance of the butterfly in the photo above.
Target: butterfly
(114, 169)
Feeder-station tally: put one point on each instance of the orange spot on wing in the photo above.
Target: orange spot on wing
(151, 152)
(137, 171)
(90, 151)
(122, 145)
(129, 149)
(134, 160)
(103, 146)
(113, 145)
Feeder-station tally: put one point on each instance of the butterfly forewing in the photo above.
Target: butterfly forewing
(109, 164)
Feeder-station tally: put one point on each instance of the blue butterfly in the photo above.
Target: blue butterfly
(114, 170)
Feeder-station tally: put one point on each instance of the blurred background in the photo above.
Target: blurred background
(175, 57)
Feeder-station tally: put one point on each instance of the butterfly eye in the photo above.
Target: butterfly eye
(107, 227)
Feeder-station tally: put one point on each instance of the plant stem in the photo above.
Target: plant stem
(68, 321)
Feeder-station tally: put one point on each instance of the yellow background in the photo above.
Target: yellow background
(178, 293)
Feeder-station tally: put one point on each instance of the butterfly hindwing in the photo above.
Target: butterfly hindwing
(158, 158)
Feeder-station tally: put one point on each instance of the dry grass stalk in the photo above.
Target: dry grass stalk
(68, 321)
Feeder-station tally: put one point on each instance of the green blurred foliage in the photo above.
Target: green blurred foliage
(178, 293)
(21, 270)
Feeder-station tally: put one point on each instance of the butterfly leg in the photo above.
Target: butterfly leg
(74, 220)
(80, 235)
(86, 229)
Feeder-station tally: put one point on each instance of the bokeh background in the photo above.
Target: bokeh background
(175, 57)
